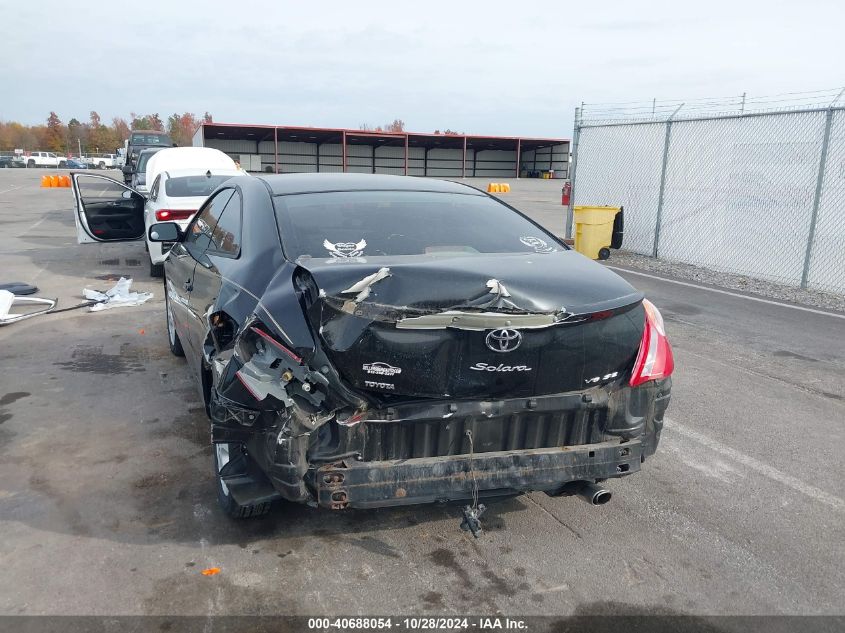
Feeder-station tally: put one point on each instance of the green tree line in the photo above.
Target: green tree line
(94, 136)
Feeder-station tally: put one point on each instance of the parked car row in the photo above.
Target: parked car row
(55, 161)
(38, 159)
(368, 340)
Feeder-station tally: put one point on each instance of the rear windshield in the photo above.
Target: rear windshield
(189, 186)
(150, 139)
(143, 159)
(374, 223)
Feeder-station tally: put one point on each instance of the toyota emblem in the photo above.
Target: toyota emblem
(503, 340)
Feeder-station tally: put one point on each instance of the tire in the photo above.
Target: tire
(63, 164)
(604, 253)
(172, 337)
(237, 456)
(30, 164)
(101, 165)
(156, 270)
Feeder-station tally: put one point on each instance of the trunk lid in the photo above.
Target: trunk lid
(516, 325)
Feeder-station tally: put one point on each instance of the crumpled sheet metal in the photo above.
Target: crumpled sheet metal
(8, 300)
(118, 296)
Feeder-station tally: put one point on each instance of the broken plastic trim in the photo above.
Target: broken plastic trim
(268, 368)
(8, 300)
(479, 320)
(276, 344)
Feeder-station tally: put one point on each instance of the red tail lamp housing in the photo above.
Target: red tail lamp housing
(654, 359)
(172, 215)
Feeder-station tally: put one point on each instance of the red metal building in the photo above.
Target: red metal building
(289, 149)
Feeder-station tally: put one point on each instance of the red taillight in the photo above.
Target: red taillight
(172, 215)
(654, 360)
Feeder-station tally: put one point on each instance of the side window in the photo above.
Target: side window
(226, 237)
(200, 231)
(154, 188)
(51, 155)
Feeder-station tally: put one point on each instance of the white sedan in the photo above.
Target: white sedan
(175, 196)
(180, 179)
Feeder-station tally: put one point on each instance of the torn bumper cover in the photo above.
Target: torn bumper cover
(351, 484)
(8, 300)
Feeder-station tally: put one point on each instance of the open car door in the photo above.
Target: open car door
(106, 210)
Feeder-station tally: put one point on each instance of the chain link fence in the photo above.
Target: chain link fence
(756, 193)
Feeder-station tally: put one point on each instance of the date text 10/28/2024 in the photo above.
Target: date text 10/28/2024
(417, 624)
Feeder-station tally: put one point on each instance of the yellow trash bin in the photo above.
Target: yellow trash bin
(597, 230)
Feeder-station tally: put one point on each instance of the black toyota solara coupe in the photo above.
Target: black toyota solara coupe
(366, 340)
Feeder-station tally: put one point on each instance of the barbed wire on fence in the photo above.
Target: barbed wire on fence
(622, 112)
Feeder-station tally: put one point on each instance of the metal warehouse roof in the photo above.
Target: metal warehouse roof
(361, 137)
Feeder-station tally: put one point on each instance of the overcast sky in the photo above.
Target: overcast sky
(509, 68)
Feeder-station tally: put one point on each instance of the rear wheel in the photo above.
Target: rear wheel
(231, 460)
(604, 253)
(63, 164)
(172, 336)
(30, 163)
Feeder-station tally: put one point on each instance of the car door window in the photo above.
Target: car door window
(201, 230)
(226, 236)
(154, 188)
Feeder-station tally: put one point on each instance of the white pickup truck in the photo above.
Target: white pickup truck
(41, 159)
(102, 161)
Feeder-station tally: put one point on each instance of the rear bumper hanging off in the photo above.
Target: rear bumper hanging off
(354, 484)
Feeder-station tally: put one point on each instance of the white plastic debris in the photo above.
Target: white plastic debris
(117, 296)
(9, 299)
(6, 299)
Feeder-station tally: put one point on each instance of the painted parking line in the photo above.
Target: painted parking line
(14, 188)
(728, 292)
(756, 465)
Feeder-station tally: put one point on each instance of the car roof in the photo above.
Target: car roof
(177, 158)
(285, 184)
(202, 171)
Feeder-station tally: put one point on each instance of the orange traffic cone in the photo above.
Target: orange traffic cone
(54, 181)
(64, 181)
(45, 181)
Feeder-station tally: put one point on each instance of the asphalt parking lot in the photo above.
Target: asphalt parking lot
(107, 503)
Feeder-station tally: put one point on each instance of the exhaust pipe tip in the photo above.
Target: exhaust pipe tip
(595, 495)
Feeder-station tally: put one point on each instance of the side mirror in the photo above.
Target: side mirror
(127, 169)
(165, 232)
(127, 195)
